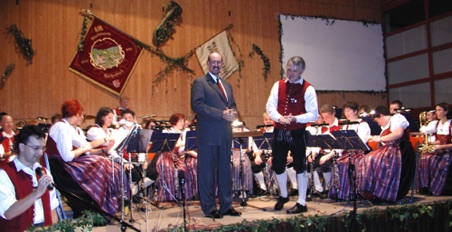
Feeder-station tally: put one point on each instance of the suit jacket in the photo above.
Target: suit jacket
(208, 103)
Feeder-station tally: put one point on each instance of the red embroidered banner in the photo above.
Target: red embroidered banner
(108, 57)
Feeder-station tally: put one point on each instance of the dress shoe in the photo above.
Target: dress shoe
(261, 192)
(232, 212)
(214, 214)
(280, 202)
(297, 209)
(293, 192)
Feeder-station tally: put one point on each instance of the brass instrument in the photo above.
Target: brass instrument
(423, 119)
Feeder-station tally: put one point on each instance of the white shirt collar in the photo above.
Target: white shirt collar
(20, 166)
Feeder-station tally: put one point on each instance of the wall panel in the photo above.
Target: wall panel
(54, 26)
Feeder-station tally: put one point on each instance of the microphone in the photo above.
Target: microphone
(39, 172)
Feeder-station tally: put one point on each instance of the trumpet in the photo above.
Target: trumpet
(423, 118)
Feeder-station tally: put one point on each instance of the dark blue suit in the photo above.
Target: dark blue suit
(214, 138)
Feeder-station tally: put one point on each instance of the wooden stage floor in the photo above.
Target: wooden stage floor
(171, 214)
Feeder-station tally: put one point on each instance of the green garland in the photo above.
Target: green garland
(179, 63)
(23, 44)
(404, 216)
(9, 69)
(281, 71)
(264, 58)
(84, 223)
(167, 26)
(240, 61)
(86, 17)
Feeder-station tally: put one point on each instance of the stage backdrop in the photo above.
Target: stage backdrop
(107, 58)
(340, 55)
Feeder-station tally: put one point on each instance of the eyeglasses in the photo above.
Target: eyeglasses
(36, 149)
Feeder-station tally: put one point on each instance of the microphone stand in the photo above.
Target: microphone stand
(243, 194)
(353, 194)
(119, 150)
(181, 175)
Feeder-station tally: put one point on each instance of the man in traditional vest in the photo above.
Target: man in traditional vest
(292, 103)
(25, 195)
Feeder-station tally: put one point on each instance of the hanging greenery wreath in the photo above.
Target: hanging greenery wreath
(240, 61)
(264, 58)
(86, 17)
(167, 26)
(23, 44)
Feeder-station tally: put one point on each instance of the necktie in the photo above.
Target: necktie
(221, 88)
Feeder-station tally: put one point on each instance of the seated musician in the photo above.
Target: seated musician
(6, 138)
(434, 165)
(323, 166)
(365, 114)
(248, 154)
(428, 125)
(361, 127)
(389, 181)
(171, 163)
(102, 129)
(80, 171)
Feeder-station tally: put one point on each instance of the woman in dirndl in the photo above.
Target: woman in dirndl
(387, 172)
(434, 164)
(351, 157)
(81, 173)
(171, 165)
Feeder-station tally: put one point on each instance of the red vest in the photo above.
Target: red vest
(7, 147)
(291, 101)
(23, 187)
(330, 128)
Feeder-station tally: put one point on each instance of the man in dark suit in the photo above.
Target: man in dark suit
(213, 102)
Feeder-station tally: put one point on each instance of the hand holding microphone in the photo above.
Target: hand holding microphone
(44, 178)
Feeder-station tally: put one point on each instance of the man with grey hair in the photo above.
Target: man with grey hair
(292, 103)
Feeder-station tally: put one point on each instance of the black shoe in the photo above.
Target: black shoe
(297, 209)
(214, 214)
(261, 192)
(232, 212)
(323, 194)
(280, 203)
(308, 198)
(293, 192)
(424, 191)
(136, 199)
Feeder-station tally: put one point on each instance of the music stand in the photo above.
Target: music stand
(265, 141)
(241, 139)
(351, 141)
(190, 141)
(163, 142)
(324, 141)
